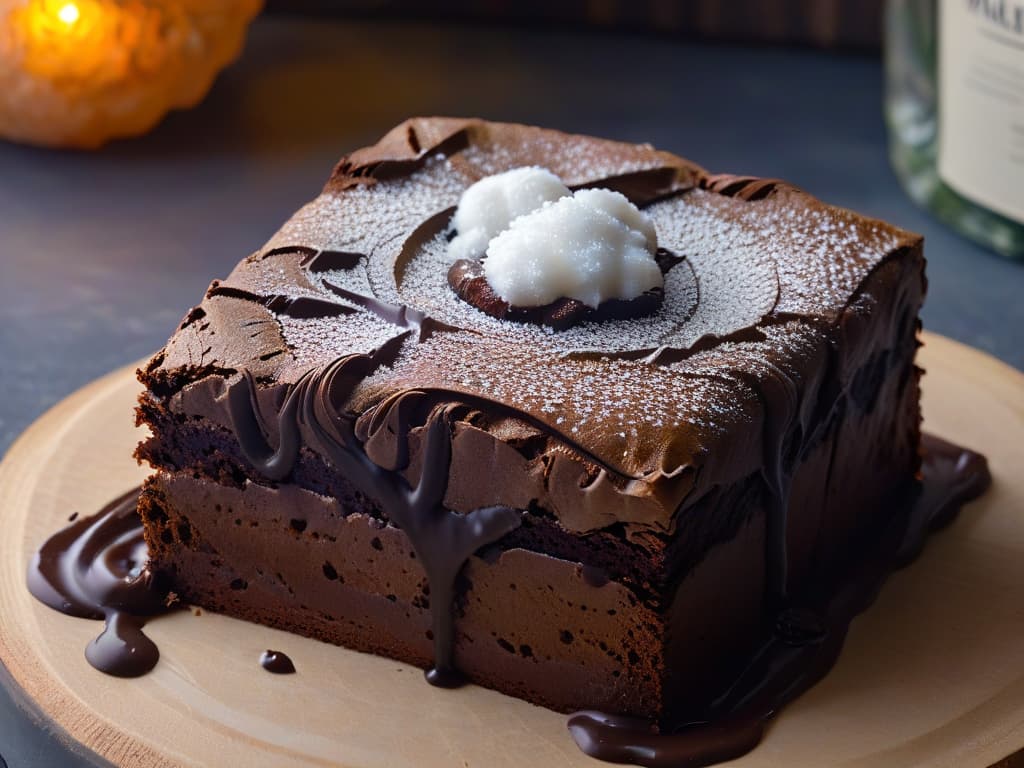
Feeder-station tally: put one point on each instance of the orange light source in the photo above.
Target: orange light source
(76, 73)
(68, 13)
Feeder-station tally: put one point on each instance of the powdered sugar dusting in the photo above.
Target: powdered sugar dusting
(745, 263)
(425, 286)
(316, 339)
(573, 159)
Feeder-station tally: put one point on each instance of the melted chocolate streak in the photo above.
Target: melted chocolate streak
(804, 643)
(443, 539)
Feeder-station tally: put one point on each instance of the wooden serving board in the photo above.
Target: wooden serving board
(932, 675)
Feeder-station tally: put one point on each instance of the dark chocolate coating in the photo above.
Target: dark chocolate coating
(392, 469)
(783, 667)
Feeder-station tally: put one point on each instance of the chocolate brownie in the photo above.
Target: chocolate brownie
(604, 513)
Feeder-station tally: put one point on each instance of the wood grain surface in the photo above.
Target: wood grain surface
(932, 675)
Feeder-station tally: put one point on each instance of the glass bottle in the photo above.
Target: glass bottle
(955, 113)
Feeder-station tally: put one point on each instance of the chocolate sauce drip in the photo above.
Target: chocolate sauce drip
(442, 539)
(277, 663)
(251, 431)
(802, 644)
(95, 569)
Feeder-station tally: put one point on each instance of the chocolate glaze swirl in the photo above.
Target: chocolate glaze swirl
(95, 569)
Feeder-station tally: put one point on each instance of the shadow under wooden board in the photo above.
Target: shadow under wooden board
(932, 675)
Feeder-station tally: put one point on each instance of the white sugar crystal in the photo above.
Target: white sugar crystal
(615, 204)
(592, 247)
(489, 206)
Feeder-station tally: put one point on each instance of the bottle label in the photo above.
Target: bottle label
(981, 102)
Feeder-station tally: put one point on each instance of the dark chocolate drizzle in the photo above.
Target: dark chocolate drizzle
(277, 663)
(802, 644)
(442, 539)
(250, 429)
(95, 569)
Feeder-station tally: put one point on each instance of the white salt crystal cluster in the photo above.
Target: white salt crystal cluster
(489, 206)
(544, 243)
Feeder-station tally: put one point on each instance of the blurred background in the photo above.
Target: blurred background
(846, 23)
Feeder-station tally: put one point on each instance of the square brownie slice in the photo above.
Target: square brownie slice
(604, 516)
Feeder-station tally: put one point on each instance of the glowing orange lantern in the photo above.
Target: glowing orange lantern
(75, 73)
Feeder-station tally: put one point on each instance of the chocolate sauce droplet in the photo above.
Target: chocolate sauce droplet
(122, 649)
(95, 569)
(804, 643)
(444, 677)
(277, 662)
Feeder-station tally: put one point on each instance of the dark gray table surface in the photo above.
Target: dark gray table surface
(101, 253)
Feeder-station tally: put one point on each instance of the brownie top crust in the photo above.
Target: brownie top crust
(621, 422)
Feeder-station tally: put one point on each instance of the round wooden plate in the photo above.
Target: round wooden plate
(931, 675)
